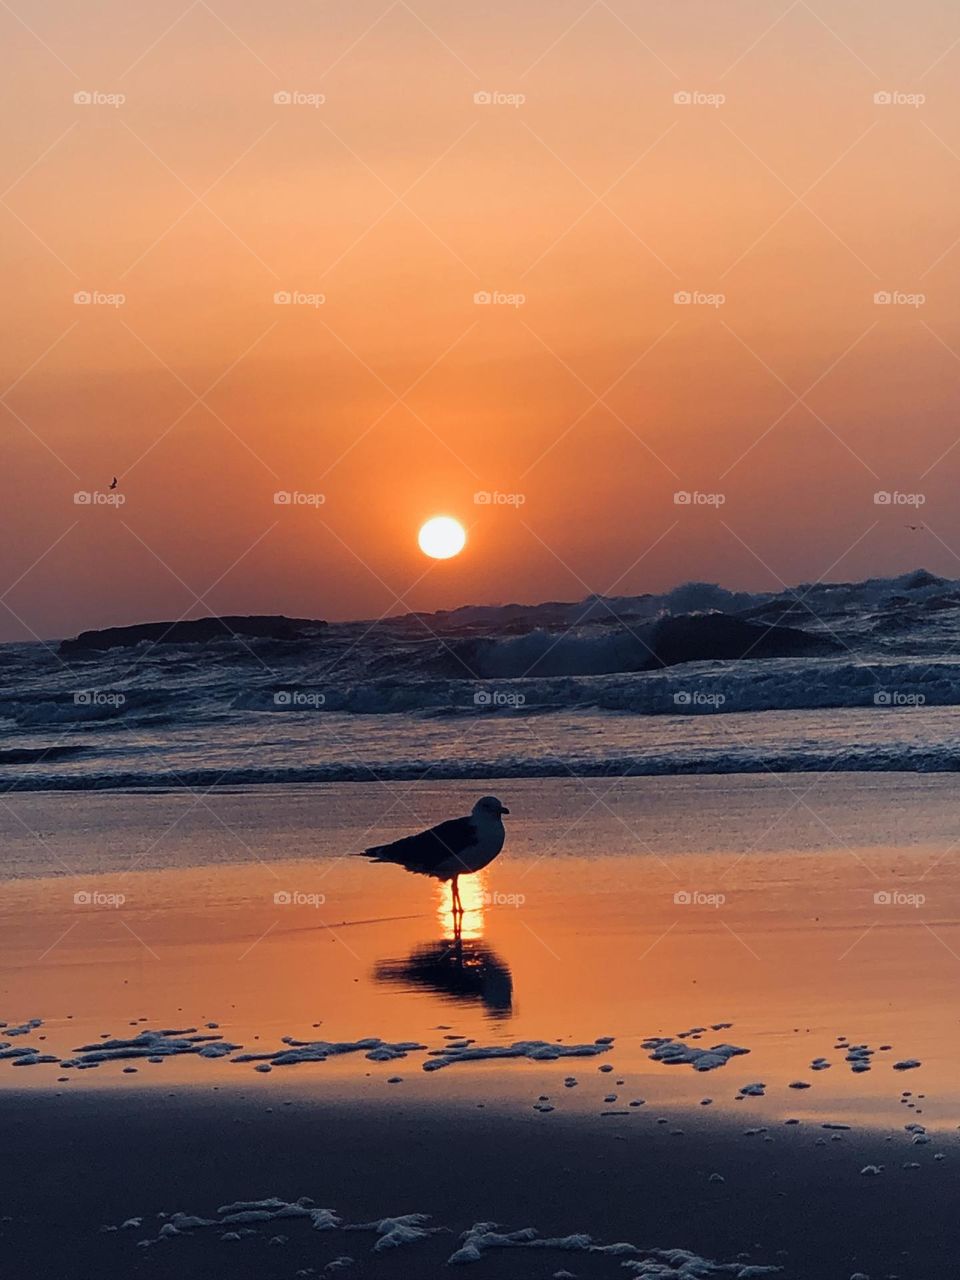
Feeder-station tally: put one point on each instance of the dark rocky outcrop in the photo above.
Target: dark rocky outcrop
(197, 631)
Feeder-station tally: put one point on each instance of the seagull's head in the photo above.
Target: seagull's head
(489, 807)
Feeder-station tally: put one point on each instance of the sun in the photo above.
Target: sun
(442, 537)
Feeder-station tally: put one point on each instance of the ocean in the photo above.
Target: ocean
(858, 676)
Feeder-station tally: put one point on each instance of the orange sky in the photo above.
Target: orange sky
(597, 197)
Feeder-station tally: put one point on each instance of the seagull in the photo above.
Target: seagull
(114, 484)
(457, 847)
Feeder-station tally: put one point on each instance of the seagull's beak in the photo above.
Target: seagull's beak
(504, 809)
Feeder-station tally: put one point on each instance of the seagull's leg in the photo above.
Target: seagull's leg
(457, 904)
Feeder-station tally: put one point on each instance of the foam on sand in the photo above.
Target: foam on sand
(535, 1050)
(676, 1053)
(661, 1264)
(151, 1044)
(249, 1211)
(23, 1029)
(25, 1055)
(242, 1218)
(319, 1050)
(393, 1232)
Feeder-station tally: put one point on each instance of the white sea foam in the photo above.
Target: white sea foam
(663, 1264)
(23, 1029)
(676, 1053)
(242, 1217)
(151, 1044)
(535, 1050)
(394, 1232)
(320, 1050)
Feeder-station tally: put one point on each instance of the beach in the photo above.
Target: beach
(480, 641)
(629, 925)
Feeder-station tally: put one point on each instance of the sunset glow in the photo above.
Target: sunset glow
(647, 263)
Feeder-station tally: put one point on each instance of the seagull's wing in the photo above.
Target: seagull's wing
(426, 851)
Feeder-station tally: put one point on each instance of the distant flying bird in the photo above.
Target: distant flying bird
(114, 484)
(457, 847)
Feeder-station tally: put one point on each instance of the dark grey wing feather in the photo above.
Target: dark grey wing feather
(426, 851)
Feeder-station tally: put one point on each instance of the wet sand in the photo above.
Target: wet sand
(816, 917)
(73, 1169)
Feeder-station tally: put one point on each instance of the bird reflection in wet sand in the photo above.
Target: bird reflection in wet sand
(459, 966)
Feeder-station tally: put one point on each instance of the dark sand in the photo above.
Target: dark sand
(71, 1166)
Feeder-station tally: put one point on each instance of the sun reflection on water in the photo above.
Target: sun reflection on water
(473, 896)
